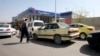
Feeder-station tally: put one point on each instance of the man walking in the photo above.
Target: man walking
(24, 31)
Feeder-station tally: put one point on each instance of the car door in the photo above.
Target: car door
(82, 28)
(51, 30)
(48, 32)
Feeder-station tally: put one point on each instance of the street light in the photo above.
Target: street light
(55, 12)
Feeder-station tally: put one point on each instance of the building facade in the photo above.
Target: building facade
(47, 17)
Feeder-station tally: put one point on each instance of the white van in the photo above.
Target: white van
(34, 25)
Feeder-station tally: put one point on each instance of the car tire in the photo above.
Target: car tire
(35, 37)
(83, 36)
(98, 46)
(57, 39)
(9, 36)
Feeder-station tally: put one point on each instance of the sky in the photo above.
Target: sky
(11, 8)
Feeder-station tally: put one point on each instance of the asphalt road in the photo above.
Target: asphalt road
(43, 47)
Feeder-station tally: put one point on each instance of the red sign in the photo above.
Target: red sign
(68, 21)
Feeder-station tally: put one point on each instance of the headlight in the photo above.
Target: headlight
(90, 36)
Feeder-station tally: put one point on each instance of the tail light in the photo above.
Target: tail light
(73, 31)
(91, 29)
(7, 30)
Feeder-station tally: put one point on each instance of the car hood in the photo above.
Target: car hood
(96, 31)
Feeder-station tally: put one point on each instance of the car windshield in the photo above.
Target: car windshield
(77, 25)
(73, 25)
(63, 25)
(4, 25)
(38, 24)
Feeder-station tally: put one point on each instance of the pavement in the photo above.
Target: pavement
(44, 47)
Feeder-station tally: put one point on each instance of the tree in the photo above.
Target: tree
(82, 15)
(18, 24)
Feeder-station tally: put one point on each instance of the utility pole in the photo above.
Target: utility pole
(55, 12)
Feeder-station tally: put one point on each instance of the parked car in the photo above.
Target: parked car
(84, 29)
(34, 25)
(94, 39)
(56, 31)
(14, 31)
(6, 30)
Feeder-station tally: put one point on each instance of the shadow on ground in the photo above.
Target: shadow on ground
(14, 43)
(78, 39)
(85, 49)
(18, 36)
(11, 43)
(50, 43)
(4, 37)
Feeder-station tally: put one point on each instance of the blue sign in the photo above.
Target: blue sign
(39, 12)
(47, 13)
(32, 10)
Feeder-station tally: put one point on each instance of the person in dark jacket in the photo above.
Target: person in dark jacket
(24, 31)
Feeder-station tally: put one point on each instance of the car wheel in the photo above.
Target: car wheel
(83, 36)
(35, 37)
(57, 39)
(9, 36)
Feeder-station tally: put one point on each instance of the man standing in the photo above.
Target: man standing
(24, 31)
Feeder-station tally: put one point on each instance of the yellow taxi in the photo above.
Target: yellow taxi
(84, 29)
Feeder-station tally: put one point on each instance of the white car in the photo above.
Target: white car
(14, 31)
(6, 30)
(34, 25)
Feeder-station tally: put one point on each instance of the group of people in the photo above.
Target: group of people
(24, 31)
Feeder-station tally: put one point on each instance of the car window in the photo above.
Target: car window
(74, 25)
(4, 25)
(46, 26)
(54, 26)
(38, 24)
(80, 26)
(51, 26)
(29, 24)
(63, 25)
